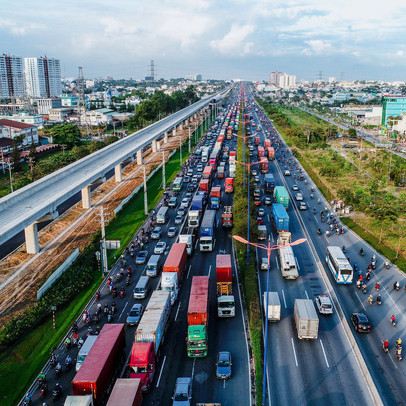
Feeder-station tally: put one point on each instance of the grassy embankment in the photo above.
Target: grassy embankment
(248, 273)
(21, 364)
(367, 179)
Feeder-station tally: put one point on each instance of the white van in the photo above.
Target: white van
(162, 215)
(153, 266)
(142, 288)
(87, 345)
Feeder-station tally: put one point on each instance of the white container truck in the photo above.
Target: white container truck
(155, 319)
(306, 319)
(274, 306)
(169, 283)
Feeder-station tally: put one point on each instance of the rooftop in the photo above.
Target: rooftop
(15, 124)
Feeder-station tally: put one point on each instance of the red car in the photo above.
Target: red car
(260, 221)
(257, 201)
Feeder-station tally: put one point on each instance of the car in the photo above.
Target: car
(254, 172)
(141, 257)
(323, 304)
(195, 178)
(260, 221)
(188, 196)
(189, 172)
(191, 187)
(287, 173)
(299, 197)
(156, 233)
(267, 201)
(160, 247)
(257, 192)
(134, 315)
(223, 365)
(295, 187)
(257, 201)
(178, 219)
(251, 147)
(199, 168)
(186, 179)
(261, 212)
(183, 392)
(264, 264)
(185, 203)
(181, 211)
(172, 232)
(173, 201)
(251, 154)
(360, 322)
(302, 206)
(256, 178)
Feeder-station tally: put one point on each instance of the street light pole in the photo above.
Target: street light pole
(163, 170)
(180, 149)
(189, 141)
(145, 193)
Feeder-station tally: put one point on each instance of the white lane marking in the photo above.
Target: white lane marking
(297, 263)
(269, 219)
(188, 271)
(284, 299)
(307, 296)
(393, 362)
(177, 311)
(193, 368)
(277, 263)
(294, 351)
(362, 304)
(224, 383)
(197, 241)
(209, 270)
(119, 317)
(324, 352)
(218, 222)
(162, 368)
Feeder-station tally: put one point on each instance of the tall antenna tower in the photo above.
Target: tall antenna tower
(320, 76)
(80, 86)
(152, 67)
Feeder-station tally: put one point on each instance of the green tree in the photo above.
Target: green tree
(352, 132)
(15, 157)
(68, 134)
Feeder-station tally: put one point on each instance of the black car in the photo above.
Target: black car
(360, 322)
(191, 187)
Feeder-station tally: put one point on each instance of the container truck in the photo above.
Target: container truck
(207, 171)
(267, 143)
(215, 197)
(143, 363)
(229, 185)
(193, 218)
(204, 185)
(261, 151)
(126, 392)
(262, 232)
(197, 316)
(306, 319)
(286, 257)
(220, 172)
(205, 154)
(86, 400)
(227, 217)
(224, 277)
(274, 306)
(198, 203)
(269, 183)
(257, 140)
(280, 217)
(188, 237)
(281, 196)
(271, 153)
(264, 164)
(173, 270)
(97, 371)
(207, 231)
(233, 154)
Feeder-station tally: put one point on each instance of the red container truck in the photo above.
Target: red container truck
(264, 163)
(126, 392)
(207, 171)
(271, 153)
(267, 143)
(261, 151)
(204, 185)
(143, 364)
(198, 302)
(233, 154)
(257, 140)
(176, 259)
(96, 372)
(229, 185)
(223, 268)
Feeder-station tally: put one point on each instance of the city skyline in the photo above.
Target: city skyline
(234, 39)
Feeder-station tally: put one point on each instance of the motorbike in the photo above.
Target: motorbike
(311, 196)
(44, 390)
(378, 300)
(396, 286)
(58, 370)
(68, 363)
(373, 263)
(80, 343)
(361, 252)
(314, 211)
(386, 265)
(359, 284)
(122, 292)
(52, 361)
(109, 318)
(393, 321)
(128, 281)
(364, 289)
(98, 296)
(56, 393)
(319, 231)
(114, 291)
(27, 400)
(368, 275)
(385, 349)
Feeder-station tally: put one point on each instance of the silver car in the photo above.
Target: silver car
(183, 392)
(134, 315)
(160, 247)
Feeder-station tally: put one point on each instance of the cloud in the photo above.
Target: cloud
(233, 43)
(18, 29)
(317, 47)
(400, 53)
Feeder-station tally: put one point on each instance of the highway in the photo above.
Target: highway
(388, 374)
(224, 333)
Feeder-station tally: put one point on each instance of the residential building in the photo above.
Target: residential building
(11, 76)
(69, 101)
(274, 78)
(12, 129)
(26, 118)
(100, 116)
(43, 77)
(60, 114)
(287, 81)
(393, 106)
(44, 105)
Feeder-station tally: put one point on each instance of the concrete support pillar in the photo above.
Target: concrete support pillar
(181, 126)
(139, 157)
(153, 146)
(186, 122)
(174, 131)
(158, 145)
(166, 137)
(118, 173)
(31, 239)
(86, 198)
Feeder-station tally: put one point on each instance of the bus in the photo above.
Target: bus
(339, 265)
(177, 184)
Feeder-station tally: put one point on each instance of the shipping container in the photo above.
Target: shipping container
(126, 392)
(280, 217)
(281, 196)
(199, 301)
(176, 259)
(223, 268)
(204, 185)
(306, 319)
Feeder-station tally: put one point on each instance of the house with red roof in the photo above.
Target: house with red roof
(12, 129)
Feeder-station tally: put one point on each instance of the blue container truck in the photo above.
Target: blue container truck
(198, 202)
(280, 217)
(207, 231)
(269, 183)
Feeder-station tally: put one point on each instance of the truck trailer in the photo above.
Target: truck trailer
(280, 217)
(215, 197)
(126, 392)
(274, 306)
(224, 277)
(207, 231)
(306, 319)
(281, 196)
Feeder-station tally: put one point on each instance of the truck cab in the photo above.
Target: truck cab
(226, 306)
(169, 282)
(142, 364)
(197, 341)
(188, 239)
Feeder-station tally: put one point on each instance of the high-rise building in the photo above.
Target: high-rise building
(43, 77)
(274, 78)
(11, 76)
(393, 108)
(287, 81)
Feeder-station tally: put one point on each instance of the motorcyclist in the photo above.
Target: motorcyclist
(378, 299)
(343, 248)
(68, 362)
(393, 321)
(67, 343)
(377, 286)
(396, 285)
(370, 299)
(361, 251)
(314, 211)
(398, 341)
(58, 368)
(358, 284)
(386, 344)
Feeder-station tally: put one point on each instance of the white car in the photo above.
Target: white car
(299, 197)
(295, 187)
(323, 304)
(160, 248)
(287, 173)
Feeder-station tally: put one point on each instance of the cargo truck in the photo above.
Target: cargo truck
(269, 183)
(281, 196)
(207, 231)
(231, 170)
(229, 185)
(204, 185)
(86, 400)
(198, 203)
(262, 232)
(148, 338)
(267, 143)
(97, 371)
(215, 197)
(274, 306)
(227, 217)
(257, 140)
(188, 238)
(286, 257)
(306, 319)
(193, 218)
(271, 153)
(197, 316)
(264, 164)
(207, 171)
(280, 217)
(224, 277)
(173, 270)
(126, 392)
(205, 154)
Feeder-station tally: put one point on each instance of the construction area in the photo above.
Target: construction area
(21, 274)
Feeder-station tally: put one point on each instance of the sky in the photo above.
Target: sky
(220, 39)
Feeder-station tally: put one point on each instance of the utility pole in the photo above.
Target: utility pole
(2, 161)
(10, 166)
(163, 170)
(145, 193)
(180, 149)
(103, 242)
(189, 141)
